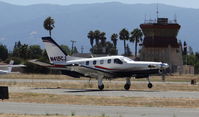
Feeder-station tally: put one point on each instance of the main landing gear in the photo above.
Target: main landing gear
(127, 86)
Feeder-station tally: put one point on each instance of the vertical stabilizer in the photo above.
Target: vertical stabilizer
(55, 53)
(10, 66)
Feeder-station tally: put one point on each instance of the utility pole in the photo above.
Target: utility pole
(82, 49)
(72, 48)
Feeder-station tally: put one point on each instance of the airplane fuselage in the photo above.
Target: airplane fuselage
(119, 66)
(100, 67)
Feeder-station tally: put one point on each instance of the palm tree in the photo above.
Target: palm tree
(49, 24)
(124, 35)
(114, 37)
(91, 36)
(102, 47)
(136, 36)
(102, 37)
(97, 36)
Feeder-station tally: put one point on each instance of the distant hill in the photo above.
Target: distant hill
(25, 23)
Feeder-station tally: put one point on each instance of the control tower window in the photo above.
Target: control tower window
(118, 61)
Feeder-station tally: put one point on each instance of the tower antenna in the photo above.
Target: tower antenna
(157, 10)
(175, 18)
(145, 18)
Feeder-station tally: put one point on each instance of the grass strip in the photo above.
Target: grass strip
(104, 100)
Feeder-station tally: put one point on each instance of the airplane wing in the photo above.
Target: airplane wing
(3, 72)
(3, 66)
(35, 61)
(89, 71)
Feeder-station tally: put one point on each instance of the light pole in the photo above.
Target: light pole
(72, 48)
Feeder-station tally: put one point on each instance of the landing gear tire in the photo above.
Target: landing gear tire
(150, 85)
(127, 86)
(101, 87)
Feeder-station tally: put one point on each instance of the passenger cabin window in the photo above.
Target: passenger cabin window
(101, 61)
(118, 61)
(109, 61)
(94, 62)
(87, 62)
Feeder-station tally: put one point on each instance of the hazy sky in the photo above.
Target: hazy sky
(181, 3)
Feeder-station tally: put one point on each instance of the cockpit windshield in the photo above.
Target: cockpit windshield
(126, 59)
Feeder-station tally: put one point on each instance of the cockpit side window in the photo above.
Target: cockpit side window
(118, 61)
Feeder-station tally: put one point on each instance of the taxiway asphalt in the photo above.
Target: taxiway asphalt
(85, 110)
(112, 111)
(83, 81)
(113, 93)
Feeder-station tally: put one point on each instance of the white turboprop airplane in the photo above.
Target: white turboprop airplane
(7, 69)
(108, 67)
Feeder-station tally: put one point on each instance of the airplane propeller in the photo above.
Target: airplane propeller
(163, 72)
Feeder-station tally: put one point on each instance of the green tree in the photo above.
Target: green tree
(108, 49)
(97, 37)
(124, 35)
(114, 39)
(34, 52)
(3, 52)
(16, 49)
(66, 49)
(128, 51)
(49, 24)
(21, 50)
(75, 50)
(136, 37)
(102, 37)
(44, 57)
(91, 36)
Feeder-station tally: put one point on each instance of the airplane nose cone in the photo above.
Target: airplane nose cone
(165, 65)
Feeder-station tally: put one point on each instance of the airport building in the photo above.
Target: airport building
(161, 44)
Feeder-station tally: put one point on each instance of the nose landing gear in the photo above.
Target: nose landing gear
(100, 83)
(101, 87)
(150, 85)
(127, 86)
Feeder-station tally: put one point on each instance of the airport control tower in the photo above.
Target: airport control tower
(161, 44)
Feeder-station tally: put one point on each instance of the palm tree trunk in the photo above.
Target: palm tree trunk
(92, 49)
(136, 48)
(50, 32)
(124, 47)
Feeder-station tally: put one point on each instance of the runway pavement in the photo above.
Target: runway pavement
(112, 111)
(83, 81)
(84, 110)
(121, 93)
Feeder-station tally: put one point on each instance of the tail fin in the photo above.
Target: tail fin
(10, 67)
(55, 53)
